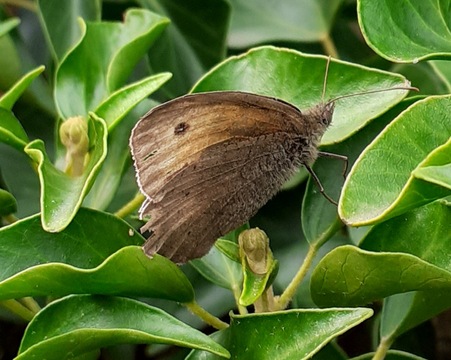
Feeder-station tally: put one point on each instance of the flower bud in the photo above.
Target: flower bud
(74, 136)
(254, 246)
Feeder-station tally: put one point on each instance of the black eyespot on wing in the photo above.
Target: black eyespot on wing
(181, 128)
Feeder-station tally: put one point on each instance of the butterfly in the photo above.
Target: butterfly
(207, 162)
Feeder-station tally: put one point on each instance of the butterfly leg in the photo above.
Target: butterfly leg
(320, 186)
(336, 156)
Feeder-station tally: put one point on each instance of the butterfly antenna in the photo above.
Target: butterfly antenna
(374, 91)
(325, 79)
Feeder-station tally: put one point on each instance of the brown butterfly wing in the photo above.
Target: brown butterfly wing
(207, 163)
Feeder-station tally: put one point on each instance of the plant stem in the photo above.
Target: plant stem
(265, 303)
(329, 46)
(131, 206)
(17, 308)
(31, 304)
(210, 319)
(325, 236)
(10, 219)
(382, 349)
(289, 292)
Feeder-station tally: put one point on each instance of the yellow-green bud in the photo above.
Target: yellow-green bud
(254, 246)
(74, 136)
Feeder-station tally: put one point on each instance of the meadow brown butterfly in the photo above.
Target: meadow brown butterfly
(206, 163)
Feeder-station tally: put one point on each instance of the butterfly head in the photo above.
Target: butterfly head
(326, 112)
(319, 118)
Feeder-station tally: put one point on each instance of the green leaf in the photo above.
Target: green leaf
(116, 162)
(421, 28)
(7, 25)
(349, 276)
(96, 254)
(221, 337)
(402, 312)
(121, 102)
(298, 79)
(76, 325)
(380, 184)
(229, 248)
(423, 232)
(14, 62)
(254, 285)
(259, 21)
(120, 113)
(8, 99)
(61, 194)
(286, 335)
(11, 63)
(11, 131)
(8, 204)
(60, 22)
(443, 70)
(393, 263)
(219, 268)
(25, 187)
(10, 59)
(103, 59)
(429, 227)
(194, 42)
(440, 175)
(328, 352)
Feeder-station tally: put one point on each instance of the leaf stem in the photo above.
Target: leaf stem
(329, 46)
(10, 219)
(330, 231)
(289, 292)
(131, 206)
(31, 304)
(210, 319)
(265, 303)
(17, 308)
(382, 349)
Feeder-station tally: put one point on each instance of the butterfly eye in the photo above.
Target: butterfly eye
(325, 120)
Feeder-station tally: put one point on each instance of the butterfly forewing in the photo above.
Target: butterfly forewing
(207, 162)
